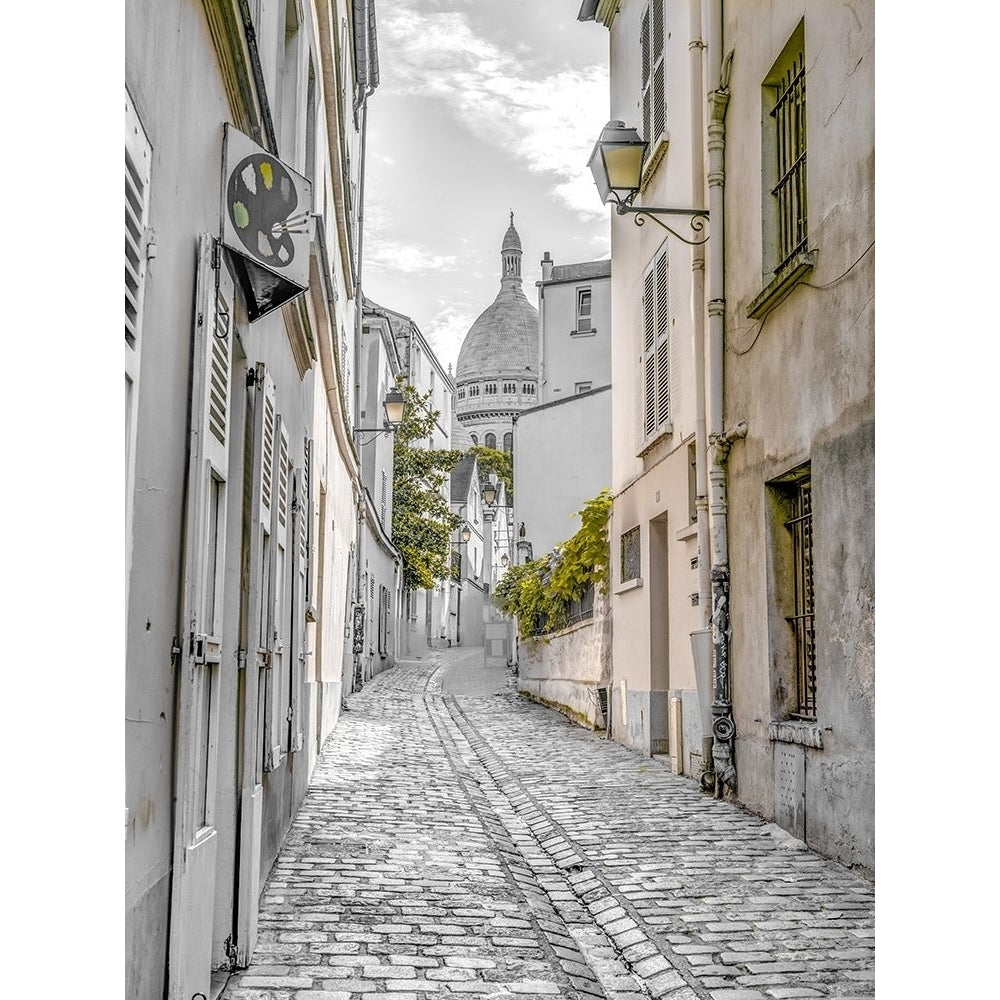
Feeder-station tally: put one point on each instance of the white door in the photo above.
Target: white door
(195, 835)
(258, 635)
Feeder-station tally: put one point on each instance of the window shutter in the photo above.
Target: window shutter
(307, 520)
(645, 44)
(138, 157)
(277, 678)
(662, 340)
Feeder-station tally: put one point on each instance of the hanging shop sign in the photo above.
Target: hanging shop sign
(266, 213)
(358, 644)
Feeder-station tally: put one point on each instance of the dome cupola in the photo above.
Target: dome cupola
(510, 254)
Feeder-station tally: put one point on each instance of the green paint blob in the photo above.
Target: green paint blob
(240, 215)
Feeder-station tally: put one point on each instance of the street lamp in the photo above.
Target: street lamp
(504, 560)
(466, 532)
(616, 163)
(489, 492)
(393, 404)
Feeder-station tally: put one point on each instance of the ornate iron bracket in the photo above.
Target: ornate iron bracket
(696, 215)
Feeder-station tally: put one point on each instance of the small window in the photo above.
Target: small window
(473, 390)
(583, 320)
(491, 389)
(461, 394)
(510, 388)
(631, 554)
(491, 440)
(508, 442)
(582, 387)
(528, 389)
(475, 438)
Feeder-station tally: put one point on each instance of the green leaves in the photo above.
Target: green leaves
(490, 460)
(539, 592)
(422, 520)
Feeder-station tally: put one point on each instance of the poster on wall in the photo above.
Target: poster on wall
(358, 644)
(266, 223)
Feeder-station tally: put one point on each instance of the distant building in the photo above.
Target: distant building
(497, 371)
(468, 556)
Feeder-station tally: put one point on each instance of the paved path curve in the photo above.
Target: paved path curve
(458, 840)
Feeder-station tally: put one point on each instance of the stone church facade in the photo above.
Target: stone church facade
(497, 372)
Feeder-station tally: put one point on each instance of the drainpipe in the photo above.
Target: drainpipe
(701, 637)
(723, 727)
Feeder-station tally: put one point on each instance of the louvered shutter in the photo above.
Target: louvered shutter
(138, 159)
(652, 36)
(300, 519)
(308, 519)
(662, 340)
(276, 681)
(206, 501)
(649, 354)
(645, 44)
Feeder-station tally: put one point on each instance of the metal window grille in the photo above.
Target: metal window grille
(630, 554)
(802, 620)
(789, 116)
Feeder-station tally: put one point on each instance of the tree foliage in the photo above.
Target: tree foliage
(490, 460)
(422, 519)
(539, 593)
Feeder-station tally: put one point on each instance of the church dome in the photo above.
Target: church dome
(505, 336)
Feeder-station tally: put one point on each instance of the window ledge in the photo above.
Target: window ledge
(688, 531)
(583, 333)
(661, 432)
(656, 154)
(634, 584)
(781, 285)
(806, 734)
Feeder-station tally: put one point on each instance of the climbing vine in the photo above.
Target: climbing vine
(539, 593)
(422, 519)
(490, 460)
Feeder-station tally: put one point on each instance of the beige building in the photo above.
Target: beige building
(743, 415)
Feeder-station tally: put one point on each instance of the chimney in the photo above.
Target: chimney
(546, 266)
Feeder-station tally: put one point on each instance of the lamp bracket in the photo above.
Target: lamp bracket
(641, 213)
(386, 428)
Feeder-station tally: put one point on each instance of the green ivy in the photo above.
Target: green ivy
(539, 593)
(490, 460)
(422, 519)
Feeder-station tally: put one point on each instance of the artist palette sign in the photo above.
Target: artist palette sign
(266, 211)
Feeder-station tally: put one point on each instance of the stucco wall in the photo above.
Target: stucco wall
(804, 383)
(562, 459)
(565, 669)
(566, 358)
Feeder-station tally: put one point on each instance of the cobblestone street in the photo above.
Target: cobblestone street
(458, 840)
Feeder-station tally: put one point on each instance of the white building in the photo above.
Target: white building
(240, 504)
(469, 556)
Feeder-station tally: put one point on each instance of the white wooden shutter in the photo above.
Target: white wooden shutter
(276, 703)
(649, 353)
(195, 837)
(653, 91)
(138, 160)
(300, 563)
(645, 44)
(662, 340)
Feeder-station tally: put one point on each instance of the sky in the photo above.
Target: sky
(483, 107)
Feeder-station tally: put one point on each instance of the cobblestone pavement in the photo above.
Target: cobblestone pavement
(478, 845)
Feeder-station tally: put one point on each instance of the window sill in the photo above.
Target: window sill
(688, 531)
(780, 286)
(661, 432)
(806, 734)
(634, 584)
(583, 333)
(656, 154)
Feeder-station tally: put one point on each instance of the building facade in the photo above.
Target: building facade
(497, 371)
(242, 483)
(742, 533)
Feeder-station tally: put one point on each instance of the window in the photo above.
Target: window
(508, 442)
(461, 394)
(793, 635)
(491, 440)
(510, 388)
(654, 361)
(475, 438)
(528, 389)
(631, 554)
(384, 497)
(137, 169)
(432, 386)
(784, 153)
(582, 387)
(654, 91)
(583, 324)
(473, 390)
(416, 363)
(383, 620)
(491, 389)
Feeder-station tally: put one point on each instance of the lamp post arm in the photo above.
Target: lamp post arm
(696, 215)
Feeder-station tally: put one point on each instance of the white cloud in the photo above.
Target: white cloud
(408, 258)
(549, 123)
(446, 331)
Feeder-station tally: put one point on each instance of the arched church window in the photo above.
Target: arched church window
(491, 440)
(508, 442)
(475, 438)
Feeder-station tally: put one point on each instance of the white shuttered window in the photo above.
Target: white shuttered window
(138, 157)
(654, 359)
(654, 86)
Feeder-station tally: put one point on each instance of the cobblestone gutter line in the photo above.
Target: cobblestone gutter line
(658, 972)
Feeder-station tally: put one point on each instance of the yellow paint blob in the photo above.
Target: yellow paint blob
(267, 172)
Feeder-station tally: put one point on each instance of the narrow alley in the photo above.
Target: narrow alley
(458, 839)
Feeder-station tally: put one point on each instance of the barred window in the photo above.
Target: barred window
(784, 152)
(631, 554)
(802, 619)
